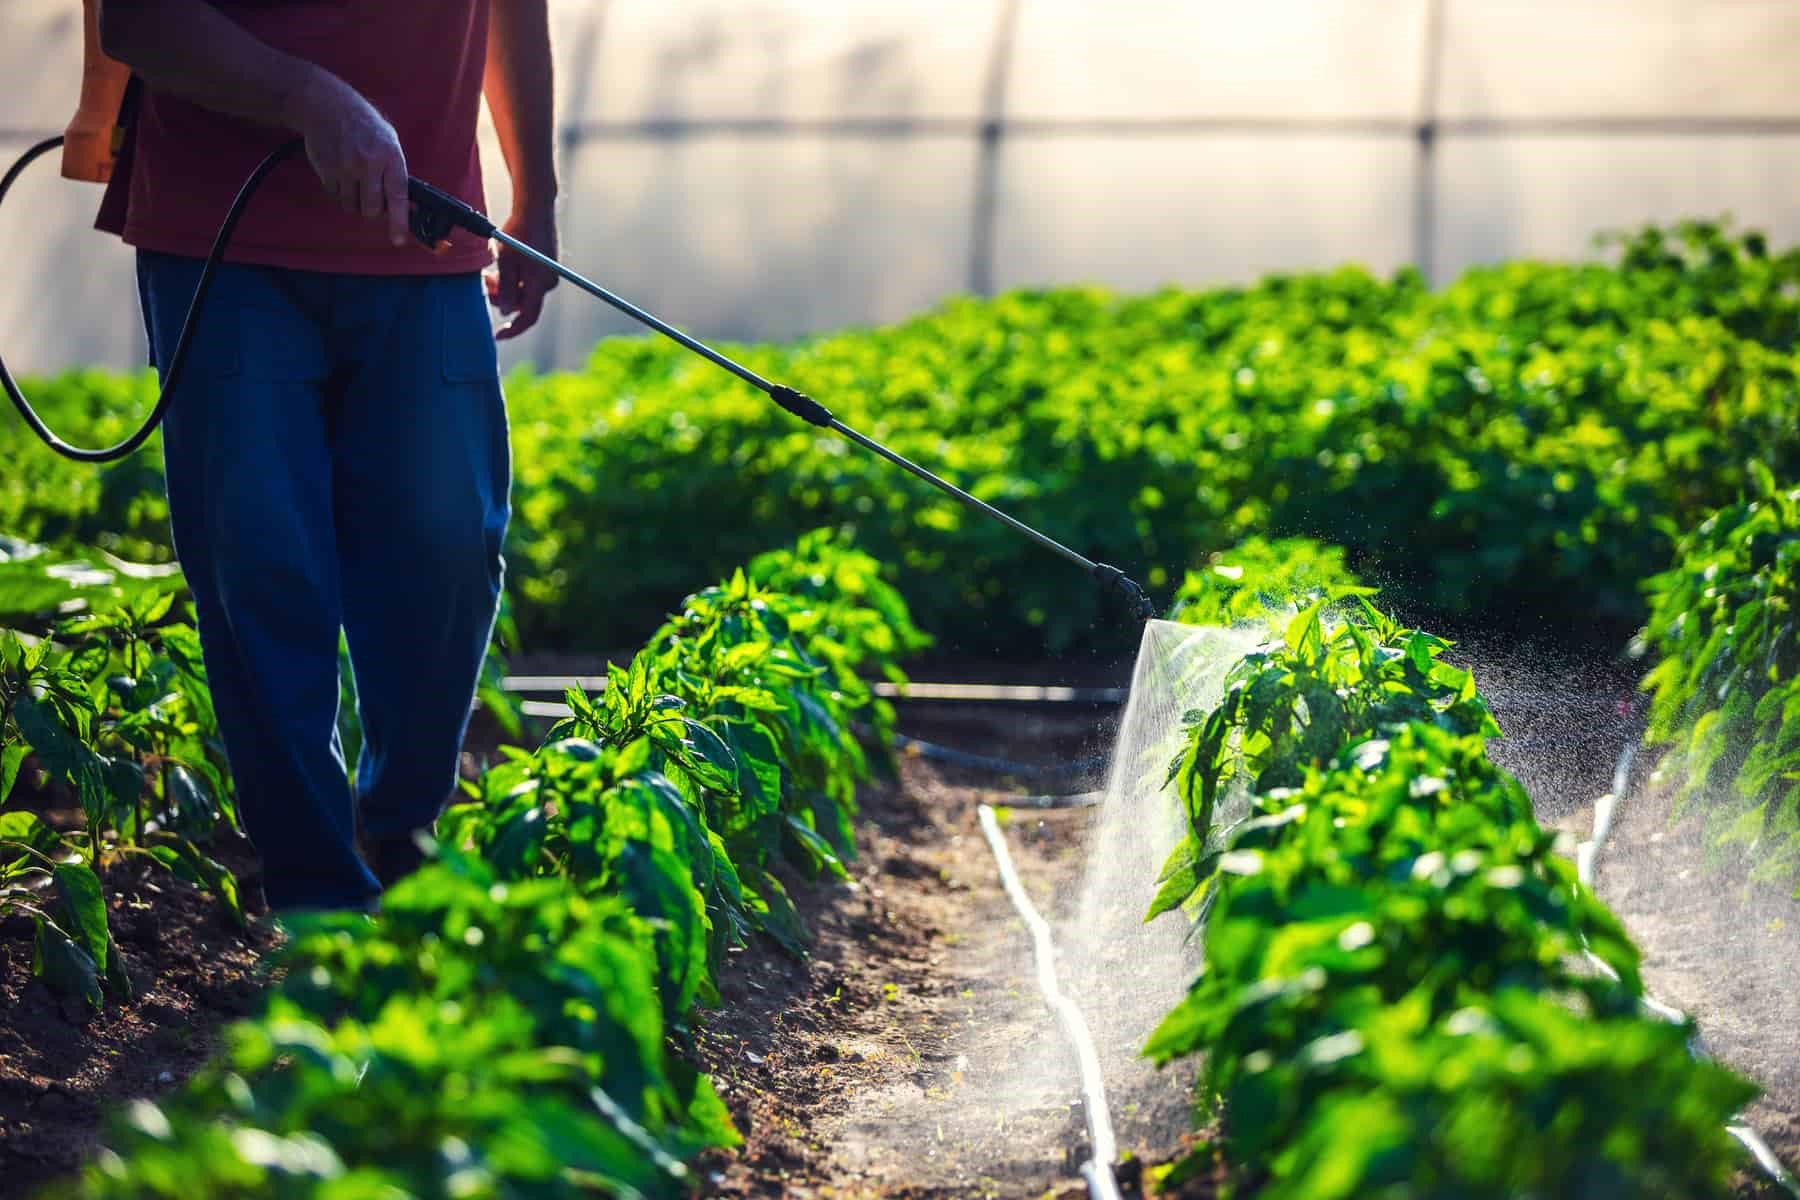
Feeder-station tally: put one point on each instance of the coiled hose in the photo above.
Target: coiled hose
(171, 370)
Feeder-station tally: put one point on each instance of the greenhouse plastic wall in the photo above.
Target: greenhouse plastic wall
(768, 168)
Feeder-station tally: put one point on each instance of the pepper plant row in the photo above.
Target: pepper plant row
(102, 689)
(1396, 997)
(1726, 686)
(105, 716)
(509, 1025)
(1486, 448)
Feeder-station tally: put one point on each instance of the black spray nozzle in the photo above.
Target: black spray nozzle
(1142, 607)
(435, 213)
(801, 405)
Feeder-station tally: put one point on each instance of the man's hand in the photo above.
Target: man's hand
(517, 285)
(520, 97)
(357, 155)
(193, 50)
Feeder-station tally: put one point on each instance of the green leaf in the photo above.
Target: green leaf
(659, 887)
(1174, 892)
(11, 756)
(84, 904)
(711, 747)
(519, 842)
(1303, 635)
(90, 661)
(818, 849)
(59, 751)
(157, 609)
(12, 651)
(65, 965)
(188, 790)
(27, 829)
(1181, 1032)
(780, 920)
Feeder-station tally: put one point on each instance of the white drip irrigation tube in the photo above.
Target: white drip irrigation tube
(1103, 1146)
(1586, 858)
(973, 693)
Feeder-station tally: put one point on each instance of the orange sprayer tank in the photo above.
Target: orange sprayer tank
(88, 143)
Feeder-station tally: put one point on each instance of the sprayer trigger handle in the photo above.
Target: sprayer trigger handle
(436, 212)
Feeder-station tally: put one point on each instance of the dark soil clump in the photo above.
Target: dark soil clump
(62, 1065)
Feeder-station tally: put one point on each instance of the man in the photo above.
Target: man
(337, 450)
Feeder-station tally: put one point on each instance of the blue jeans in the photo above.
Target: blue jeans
(337, 460)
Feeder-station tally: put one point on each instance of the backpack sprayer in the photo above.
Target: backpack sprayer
(95, 137)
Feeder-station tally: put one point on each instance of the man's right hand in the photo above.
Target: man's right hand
(193, 50)
(356, 154)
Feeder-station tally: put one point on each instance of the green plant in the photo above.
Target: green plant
(504, 1027)
(602, 818)
(104, 691)
(1291, 706)
(1394, 998)
(121, 508)
(1513, 1095)
(845, 599)
(1483, 448)
(481, 1038)
(727, 746)
(1261, 580)
(1726, 685)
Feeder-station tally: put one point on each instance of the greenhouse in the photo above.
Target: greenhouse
(1016, 598)
(769, 169)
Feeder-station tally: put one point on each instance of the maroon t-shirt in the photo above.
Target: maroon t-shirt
(420, 62)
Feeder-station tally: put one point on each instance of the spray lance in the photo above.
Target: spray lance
(95, 136)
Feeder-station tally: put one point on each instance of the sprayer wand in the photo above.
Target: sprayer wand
(436, 212)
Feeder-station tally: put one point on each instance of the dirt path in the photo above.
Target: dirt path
(1720, 950)
(1715, 948)
(62, 1066)
(912, 1056)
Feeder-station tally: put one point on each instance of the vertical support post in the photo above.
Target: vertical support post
(580, 65)
(1425, 133)
(985, 217)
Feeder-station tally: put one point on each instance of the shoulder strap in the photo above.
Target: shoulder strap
(113, 204)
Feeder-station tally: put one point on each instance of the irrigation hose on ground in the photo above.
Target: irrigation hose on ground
(1587, 857)
(1102, 1144)
(1003, 766)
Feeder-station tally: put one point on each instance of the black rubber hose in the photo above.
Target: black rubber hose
(1002, 766)
(171, 370)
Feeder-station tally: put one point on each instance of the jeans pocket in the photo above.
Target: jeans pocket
(465, 338)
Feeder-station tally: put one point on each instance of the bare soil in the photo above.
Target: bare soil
(911, 1055)
(62, 1065)
(1723, 950)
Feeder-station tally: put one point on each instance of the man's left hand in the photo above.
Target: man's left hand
(518, 284)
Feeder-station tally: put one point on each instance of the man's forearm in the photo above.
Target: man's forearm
(521, 96)
(212, 61)
(188, 48)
